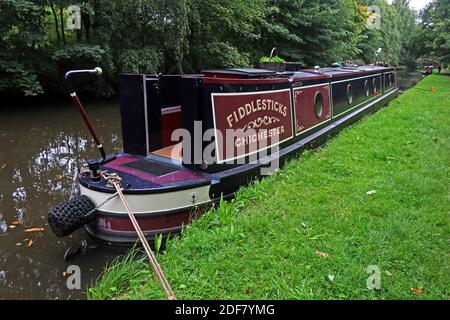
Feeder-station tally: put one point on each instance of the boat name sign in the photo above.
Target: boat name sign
(248, 123)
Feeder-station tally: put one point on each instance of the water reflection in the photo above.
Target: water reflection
(408, 78)
(41, 147)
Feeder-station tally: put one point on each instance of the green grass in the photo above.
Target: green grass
(130, 270)
(265, 243)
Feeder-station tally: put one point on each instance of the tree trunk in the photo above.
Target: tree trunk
(79, 34)
(87, 26)
(56, 21)
(61, 14)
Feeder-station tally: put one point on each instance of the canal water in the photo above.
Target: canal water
(41, 146)
(407, 79)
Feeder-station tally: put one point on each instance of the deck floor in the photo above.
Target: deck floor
(174, 152)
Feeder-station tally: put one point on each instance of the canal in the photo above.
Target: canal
(40, 149)
(407, 79)
(41, 145)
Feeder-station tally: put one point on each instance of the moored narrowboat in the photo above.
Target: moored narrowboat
(190, 140)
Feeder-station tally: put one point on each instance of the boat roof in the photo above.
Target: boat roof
(253, 73)
(345, 71)
(304, 74)
(241, 72)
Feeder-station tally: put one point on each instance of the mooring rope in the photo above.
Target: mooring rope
(102, 204)
(114, 180)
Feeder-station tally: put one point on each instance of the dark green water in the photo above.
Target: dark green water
(407, 79)
(40, 147)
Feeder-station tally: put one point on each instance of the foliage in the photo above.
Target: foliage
(223, 33)
(145, 60)
(328, 215)
(406, 27)
(395, 35)
(176, 36)
(79, 52)
(432, 38)
(275, 59)
(21, 45)
(314, 32)
(441, 31)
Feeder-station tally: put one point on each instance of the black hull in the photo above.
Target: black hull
(118, 230)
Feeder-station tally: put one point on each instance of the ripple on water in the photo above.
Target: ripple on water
(41, 149)
(3, 227)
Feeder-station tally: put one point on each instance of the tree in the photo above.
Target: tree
(406, 27)
(21, 45)
(175, 36)
(432, 37)
(223, 33)
(441, 31)
(314, 32)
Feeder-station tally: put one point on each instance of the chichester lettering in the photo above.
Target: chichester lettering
(258, 137)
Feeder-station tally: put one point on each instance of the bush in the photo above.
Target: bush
(146, 60)
(411, 63)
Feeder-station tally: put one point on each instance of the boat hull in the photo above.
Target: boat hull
(167, 212)
(118, 229)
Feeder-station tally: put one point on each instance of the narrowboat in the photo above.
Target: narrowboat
(190, 140)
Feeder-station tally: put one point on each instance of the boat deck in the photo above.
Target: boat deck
(173, 152)
(155, 173)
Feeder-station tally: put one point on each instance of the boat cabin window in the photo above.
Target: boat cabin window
(318, 104)
(349, 94)
(367, 88)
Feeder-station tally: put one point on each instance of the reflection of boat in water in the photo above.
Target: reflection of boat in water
(230, 125)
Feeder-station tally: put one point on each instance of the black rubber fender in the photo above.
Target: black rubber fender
(71, 215)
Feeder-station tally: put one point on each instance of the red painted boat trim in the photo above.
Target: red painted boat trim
(304, 104)
(179, 175)
(118, 229)
(170, 121)
(115, 224)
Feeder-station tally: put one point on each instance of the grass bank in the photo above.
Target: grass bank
(378, 194)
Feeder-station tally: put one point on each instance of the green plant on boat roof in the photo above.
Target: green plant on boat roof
(275, 59)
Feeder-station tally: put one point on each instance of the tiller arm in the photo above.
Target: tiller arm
(97, 71)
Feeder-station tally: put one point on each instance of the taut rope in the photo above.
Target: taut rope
(114, 180)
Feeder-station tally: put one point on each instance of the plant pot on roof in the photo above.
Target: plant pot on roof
(273, 62)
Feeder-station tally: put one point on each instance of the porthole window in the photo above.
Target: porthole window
(318, 104)
(367, 88)
(375, 86)
(349, 94)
